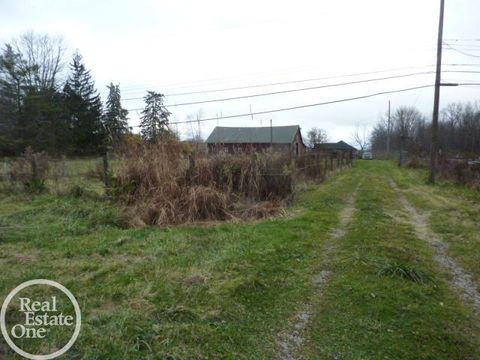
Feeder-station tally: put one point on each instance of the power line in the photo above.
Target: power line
(214, 80)
(248, 114)
(297, 81)
(473, 47)
(317, 104)
(316, 87)
(223, 79)
(460, 51)
(470, 83)
(287, 82)
(290, 82)
(467, 47)
(303, 89)
(462, 40)
(299, 89)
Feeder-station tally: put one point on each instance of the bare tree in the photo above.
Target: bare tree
(405, 120)
(194, 132)
(360, 137)
(316, 136)
(44, 58)
(195, 127)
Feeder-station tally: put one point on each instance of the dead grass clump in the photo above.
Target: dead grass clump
(462, 171)
(159, 186)
(177, 205)
(164, 184)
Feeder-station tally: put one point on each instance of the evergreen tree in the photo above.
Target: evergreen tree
(83, 109)
(29, 114)
(11, 97)
(115, 119)
(154, 120)
(44, 126)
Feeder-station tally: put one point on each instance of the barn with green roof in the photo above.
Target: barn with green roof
(256, 139)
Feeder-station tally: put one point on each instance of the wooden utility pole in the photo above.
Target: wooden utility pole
(436, 100)
(388, 131)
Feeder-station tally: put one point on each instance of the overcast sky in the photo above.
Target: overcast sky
(185, 45)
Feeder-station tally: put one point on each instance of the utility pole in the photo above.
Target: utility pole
(436, 101)
(388, 131)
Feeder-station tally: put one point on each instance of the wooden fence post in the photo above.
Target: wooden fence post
(34, 168)
(254, 179)
(106, 175)
(64, 166)
(293, 177)
(191, 170)
(5, 169)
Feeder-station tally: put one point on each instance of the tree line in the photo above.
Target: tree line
(409, 130)
(48, 105)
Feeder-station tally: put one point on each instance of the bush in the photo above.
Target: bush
(462, 172)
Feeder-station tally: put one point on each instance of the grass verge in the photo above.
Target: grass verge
(186, 292)
(365, 313)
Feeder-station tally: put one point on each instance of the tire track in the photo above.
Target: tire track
(291, 340)
(461, 279)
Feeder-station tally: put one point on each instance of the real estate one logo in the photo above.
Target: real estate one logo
(34, 319)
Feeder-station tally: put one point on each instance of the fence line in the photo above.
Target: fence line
(38, 167)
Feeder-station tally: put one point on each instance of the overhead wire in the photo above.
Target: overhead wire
(293, 81)
(460, 51)
(318, 104)
(315, 87)
(302, 106)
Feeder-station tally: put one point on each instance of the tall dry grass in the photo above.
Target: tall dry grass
(461, 171)
(164, 184)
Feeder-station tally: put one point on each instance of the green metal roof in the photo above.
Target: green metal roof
(258, 135)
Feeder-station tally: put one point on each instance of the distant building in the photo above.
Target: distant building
(336, 149)
(256, 139)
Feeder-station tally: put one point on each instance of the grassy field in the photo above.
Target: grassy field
(61, 175)
(228, 290)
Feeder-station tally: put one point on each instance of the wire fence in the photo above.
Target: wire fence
(62, 172)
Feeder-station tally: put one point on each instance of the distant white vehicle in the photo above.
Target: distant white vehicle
(367, 155)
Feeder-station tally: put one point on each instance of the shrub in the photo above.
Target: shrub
(462, 171)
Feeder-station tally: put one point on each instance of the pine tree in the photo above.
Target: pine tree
(11, 97)
(115, 119)
(29, 114)
(84, 109)
(154, 120)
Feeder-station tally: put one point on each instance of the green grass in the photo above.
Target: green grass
(62, 175)
(182, 292)
(364, 314)
(454, 214)
(226, 291)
